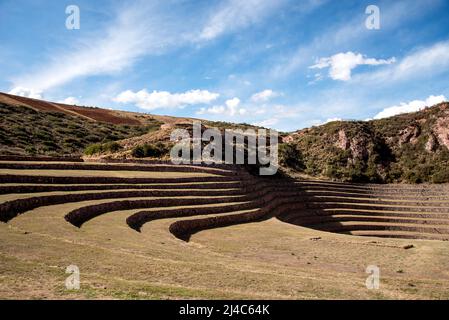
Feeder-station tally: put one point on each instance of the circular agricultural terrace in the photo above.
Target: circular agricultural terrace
(208, 197)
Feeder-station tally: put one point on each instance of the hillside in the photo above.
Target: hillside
(86, 113)
(37, 127)
(411, 148)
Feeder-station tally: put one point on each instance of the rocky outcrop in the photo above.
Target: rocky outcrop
(343, 141)
(441, 129)
(287, 139)
(357, 145)
(409, 135)
(359, 148)
(431, 144)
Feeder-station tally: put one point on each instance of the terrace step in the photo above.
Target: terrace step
(398, 234)
(330, 194)
(114, 167)
(42, 179)
(137, 220)
(11, 209)
(350, 226)
(17, 189)
(83, 214)
(314, 220)
(290, 214)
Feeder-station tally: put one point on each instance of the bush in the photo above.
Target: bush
(112, 147)
(92, 149)
(332, 172)
(290, 156)
(30, 150)
(355, 172)
(412, 176)
(441, 176)
(138, 152)
(102, 148)
(151, 150)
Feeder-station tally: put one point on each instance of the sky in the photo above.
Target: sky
(281, 64)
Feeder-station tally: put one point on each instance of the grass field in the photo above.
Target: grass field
(283, 257)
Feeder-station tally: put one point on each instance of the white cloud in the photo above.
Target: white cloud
(234, 14)
(264, 95)
(346, 33)
(231, 108)
(164, 99)
(341, 64)
(70, 100)
(212, 110)
(26, 92)
(412, 106)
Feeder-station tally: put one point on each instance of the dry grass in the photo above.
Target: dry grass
(264, 260)
(261, 260)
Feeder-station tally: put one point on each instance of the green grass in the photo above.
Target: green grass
(24, 131)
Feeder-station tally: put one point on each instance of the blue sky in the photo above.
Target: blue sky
(283, 64)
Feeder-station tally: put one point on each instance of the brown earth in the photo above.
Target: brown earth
(88, 113)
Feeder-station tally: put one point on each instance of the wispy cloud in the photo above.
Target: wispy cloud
(130, 36)
(423, 62)
(264, 96)
(235, 14)
(139, 29)
(110, 52)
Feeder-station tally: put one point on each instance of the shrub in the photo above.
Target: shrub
(150, 150)
(332, 172)
(138, 152)
(30, 150)
(92, 149)
(412, 176)
(102, 148)
(290, 156)
(356, 173)
(441, 176)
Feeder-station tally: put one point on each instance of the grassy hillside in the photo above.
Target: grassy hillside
(25, 131)
(406, 148)
(38, 127)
